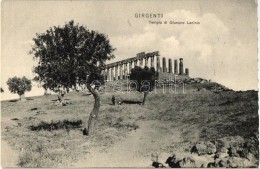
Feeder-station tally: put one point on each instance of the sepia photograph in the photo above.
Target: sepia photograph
(150, 84)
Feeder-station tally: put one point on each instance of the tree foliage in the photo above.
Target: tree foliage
(19, 85)
(67, 54)
(144, 79)
(71, 55)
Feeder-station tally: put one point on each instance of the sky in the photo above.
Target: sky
(223, 47)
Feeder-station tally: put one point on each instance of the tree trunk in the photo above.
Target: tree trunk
(94, 113)
(22, 98)
(45, 92)
(61, 98)
(145, 94)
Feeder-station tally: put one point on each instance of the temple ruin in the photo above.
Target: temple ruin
(121, 69)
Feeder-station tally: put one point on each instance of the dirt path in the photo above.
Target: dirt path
(9, 157)
(135, 150)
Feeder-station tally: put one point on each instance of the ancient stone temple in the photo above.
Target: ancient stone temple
(121, 69)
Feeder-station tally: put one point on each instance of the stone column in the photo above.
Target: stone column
(146, 61)
(130, 66)
(116, 72)
(170, 65)
(187, 71)
(112, 74)
(175, 66)
(121, 73)
(135, 63)
(108, 74)
(164, 64)
(158, 63)
(141, 62)
(125, 70)
(181, 66)
(152, 61)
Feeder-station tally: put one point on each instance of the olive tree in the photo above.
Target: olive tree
(144, 79)
(19, 85)
(69, 55)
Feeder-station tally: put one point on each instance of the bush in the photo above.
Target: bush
(19, 85)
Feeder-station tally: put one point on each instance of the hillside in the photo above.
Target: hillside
(45, 135)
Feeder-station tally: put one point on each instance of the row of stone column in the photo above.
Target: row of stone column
(177, 71)
(122, 69)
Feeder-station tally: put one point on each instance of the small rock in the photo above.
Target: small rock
(212, 165)
(85, 132)
(158, 165)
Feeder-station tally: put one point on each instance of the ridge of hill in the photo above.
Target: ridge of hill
(190, 83)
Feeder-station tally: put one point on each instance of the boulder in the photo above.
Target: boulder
(221, 145)
(222, 163)
(212, 165)
(234, 144)
(221, 155)
(252, 158)
(242, 162)
(234, 151)
(252, 146)
(202, 161)
(158, 165)
(173, 162)
(235, 141)
(187, 162)
(233, 162)
(203, 148)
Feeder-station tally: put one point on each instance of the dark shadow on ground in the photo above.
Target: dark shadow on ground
(65, 124)
(29, 99)
(86, 94)
(54, 100)
(13, 100)
(130, 102)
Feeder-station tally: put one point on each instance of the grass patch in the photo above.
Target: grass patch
(41, 155)
(196, 115)
(120, 123)
(208, 115)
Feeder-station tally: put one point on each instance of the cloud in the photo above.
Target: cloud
(209, 49)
